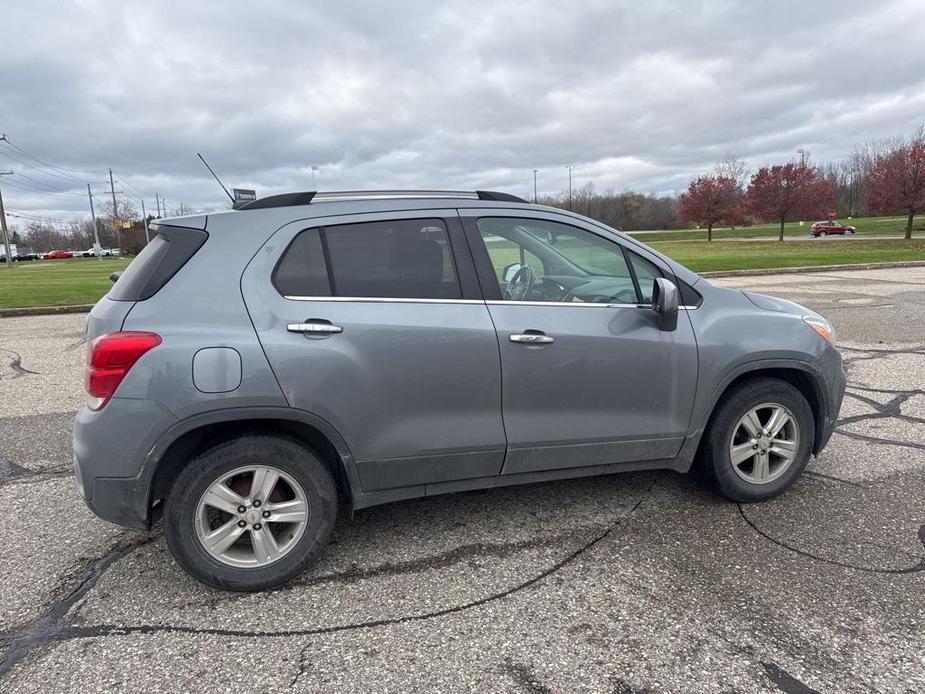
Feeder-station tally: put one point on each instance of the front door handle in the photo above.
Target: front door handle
(315, 328)
(534, 338)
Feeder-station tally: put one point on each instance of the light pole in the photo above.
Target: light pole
(314, 169)
(534, 185)
(569, 167)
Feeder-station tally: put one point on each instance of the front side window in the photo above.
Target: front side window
(402, 259)
(646, 274)
(538, 260)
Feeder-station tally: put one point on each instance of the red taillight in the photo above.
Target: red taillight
(108, 361)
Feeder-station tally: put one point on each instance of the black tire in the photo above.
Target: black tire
(290, 456)
(716, 462)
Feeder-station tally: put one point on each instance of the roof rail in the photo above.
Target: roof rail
(306, 198)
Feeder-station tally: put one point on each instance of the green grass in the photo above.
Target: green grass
(57, 282)
(866, 226)
(738, 255)
(85, 280)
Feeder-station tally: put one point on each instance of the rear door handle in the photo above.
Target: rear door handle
(536, 338)
(316, 328)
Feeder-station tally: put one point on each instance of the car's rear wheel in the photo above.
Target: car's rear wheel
(759, 440)
(251, 513)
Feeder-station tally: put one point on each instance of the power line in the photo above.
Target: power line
(11, 156)
(65, 172)
(25, 187)
(51, 188)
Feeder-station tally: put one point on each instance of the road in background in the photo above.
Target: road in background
(641, 582)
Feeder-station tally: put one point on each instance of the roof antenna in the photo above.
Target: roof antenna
(216, 178)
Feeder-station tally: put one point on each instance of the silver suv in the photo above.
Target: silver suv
(251, 366)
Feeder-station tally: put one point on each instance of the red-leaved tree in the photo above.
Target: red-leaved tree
(710, 200)
(782, 190)
(897, 180)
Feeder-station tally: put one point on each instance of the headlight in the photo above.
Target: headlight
(822, 327)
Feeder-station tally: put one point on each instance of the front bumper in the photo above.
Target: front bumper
(835, 381)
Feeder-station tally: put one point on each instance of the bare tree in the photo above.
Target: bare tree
(733, 167)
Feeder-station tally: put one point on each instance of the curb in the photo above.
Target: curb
(812, 268)
(44, 310)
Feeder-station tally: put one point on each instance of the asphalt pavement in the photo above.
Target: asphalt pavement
(632, 583)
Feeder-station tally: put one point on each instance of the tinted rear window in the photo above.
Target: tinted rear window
(388, 259)
(157, 263)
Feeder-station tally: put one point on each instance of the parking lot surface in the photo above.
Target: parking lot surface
(640, 582)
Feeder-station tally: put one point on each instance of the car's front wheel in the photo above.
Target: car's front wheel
(250, 513)
(759, 440)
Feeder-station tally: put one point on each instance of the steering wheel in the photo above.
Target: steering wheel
(520, 285)
(626, 296)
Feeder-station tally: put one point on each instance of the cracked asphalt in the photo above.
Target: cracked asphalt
(641, 582)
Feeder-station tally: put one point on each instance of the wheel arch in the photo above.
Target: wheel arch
(801, 375)
(174, 449)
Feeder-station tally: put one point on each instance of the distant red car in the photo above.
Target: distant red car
(830, 227)
(56, 255)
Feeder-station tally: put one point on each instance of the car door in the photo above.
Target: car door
(587, 376)
(376, 324)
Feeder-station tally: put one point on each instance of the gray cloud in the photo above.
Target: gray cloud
(455, 95)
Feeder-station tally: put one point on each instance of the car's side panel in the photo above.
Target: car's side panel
(414, 386)
(611, 388)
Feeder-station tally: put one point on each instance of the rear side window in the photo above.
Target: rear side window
(160, 260)
(301, 271)
(408, 259)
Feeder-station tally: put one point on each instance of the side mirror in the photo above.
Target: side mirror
(510, 271)
(665, 303)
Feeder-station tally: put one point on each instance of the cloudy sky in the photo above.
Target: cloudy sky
(636, 95)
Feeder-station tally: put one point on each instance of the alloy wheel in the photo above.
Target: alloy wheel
(764, 443)
(251, 516)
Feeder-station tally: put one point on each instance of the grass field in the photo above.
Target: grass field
(57, 282)
(700, 256)
(866, 226)
(85, 280)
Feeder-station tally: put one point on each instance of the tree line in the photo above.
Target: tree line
(883, 177)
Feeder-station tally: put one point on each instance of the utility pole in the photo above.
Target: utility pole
(144, 215)
(97, 249)
(157, 201)
(115, 215)
(6, 237)
(569, 167)
(534, 184)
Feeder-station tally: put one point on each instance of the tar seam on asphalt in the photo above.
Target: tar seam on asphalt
(16, 364)
(48, 629)
(809, 555)
(45, 629)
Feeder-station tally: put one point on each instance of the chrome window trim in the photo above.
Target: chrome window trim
(575, 304)
(382, 300)
(493, 302)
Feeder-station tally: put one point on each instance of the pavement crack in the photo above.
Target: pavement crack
(831, 478)
(46, 629)
(877, 439)
(786, 682)
(526, 677)
(16, 365)
(107, 630)
(889, 410)
(11, 473)
(834, 562)
(302, 668)
(462, 553)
